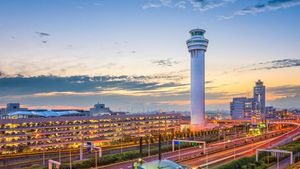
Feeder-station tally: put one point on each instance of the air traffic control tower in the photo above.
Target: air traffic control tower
(197, 46)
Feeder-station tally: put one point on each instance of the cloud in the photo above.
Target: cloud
(81, 84)
(41, 34)
(274, 64)
(98, 4)
(200, 5)
(285, 91)
(180, 4)
(286, 102)
(263, 6)
(222, 95)
(165, 62)
(165, 2)
(119, 91)
(151, 5)
(204, 5)
(2, 74)
(158, 4)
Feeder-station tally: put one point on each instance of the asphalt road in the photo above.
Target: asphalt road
(215, 151)
(28, 159)
(184, 153)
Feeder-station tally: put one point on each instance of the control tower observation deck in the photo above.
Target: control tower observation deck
(197, 46)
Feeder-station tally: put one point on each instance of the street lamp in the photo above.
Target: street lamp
(96, 165)
(44, 157)
(70, 159)
(59, 156)
(149, 146)
(234, 142)
(122, 135)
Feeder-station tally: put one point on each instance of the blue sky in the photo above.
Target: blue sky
(132, 54)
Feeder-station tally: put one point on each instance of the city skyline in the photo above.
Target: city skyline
(99, 51)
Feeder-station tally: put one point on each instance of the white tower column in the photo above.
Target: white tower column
(197, 46)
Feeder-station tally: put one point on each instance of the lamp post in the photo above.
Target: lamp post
(59, 156)
(219, 134)
(206, 156)
(224, 135)
(43, 157)
(70, 159)
(159, 147)
(234, 142)
(277, 160)
(149, 145)
(149, 135)
(96, 165)
(141, 146)
(122, 135)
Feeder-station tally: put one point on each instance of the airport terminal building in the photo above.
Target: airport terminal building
(63, 131)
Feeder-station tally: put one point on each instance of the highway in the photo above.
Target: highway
(27, 159)
(191, 157)
(243, 151)
(194, 156)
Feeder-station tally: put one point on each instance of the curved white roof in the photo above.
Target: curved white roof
(165, 164)
(48, 113)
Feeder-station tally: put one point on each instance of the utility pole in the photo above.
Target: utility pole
(43, 157)
(234, 142)
(159, 147)
(141, 146)
(149, 145)
(122, 135)
(149, 131)
(70, 159)
(224, 135)
(59, 156)
(96, 165)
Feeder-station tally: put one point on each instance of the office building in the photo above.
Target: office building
(270, 112)
(259, 99)
(241, 108)
(247, 108)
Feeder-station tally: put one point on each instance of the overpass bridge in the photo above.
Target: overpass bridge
(286, 121)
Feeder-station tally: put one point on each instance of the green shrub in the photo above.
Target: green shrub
(237, 164)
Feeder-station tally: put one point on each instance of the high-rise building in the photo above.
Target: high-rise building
(259, 99)
(197, 46)
(241, 108)
(270, 112)
(255, 107)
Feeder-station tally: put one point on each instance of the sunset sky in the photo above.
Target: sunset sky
(131, 54)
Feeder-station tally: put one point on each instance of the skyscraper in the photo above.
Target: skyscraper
(197, 46)
(259, 99)
(241, 108)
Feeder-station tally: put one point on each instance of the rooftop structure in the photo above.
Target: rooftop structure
(99, 109)
(165, 164)
(47, 113)
(11, 107)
